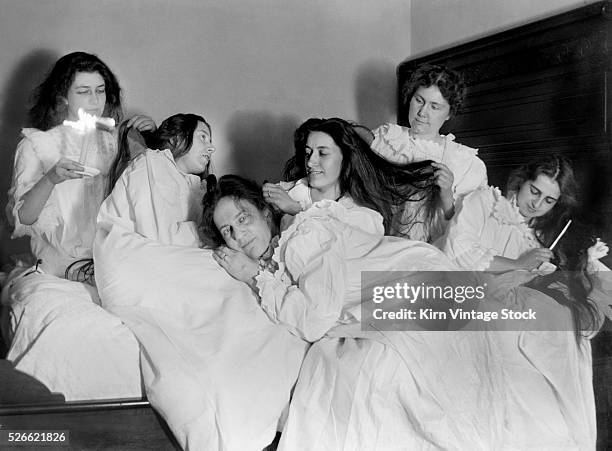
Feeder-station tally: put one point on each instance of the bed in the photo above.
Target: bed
(532, 89)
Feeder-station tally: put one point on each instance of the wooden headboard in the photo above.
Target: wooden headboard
(538, 88)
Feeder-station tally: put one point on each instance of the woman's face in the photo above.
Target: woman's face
(196, 160)
(87, 91)
(537, 197)
(428, 111)
(323, 162)
(242, 226)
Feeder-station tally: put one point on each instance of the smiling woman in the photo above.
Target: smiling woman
(332, 161)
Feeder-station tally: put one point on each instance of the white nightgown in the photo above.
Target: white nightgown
(59, 333)
(362, 390)
(65, 229)
(216, 369)
(546, 375)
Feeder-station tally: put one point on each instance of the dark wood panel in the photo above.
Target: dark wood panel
(113, 425)
(541, 88)
(542, 85)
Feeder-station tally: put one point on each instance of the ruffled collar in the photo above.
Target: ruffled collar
(322, 210)
(267, 258)
(506, 211)
(445, 138)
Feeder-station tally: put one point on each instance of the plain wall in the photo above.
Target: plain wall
(255, 69)
(438, 24)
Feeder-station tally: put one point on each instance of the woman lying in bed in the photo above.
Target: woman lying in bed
(382, 389)
(546, 369)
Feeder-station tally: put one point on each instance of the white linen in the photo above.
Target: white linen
(68, 342)
(214, 366)
(60, 335)
(371, 390)
(486, 225)
(546, 374)
(154, 199)
(65, 229)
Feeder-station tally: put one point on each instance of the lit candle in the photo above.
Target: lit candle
(84, 125)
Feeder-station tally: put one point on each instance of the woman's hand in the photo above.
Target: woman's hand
(64, 169)
(237, 264)
(278, 197)
(444, 179)
(142, 123)
(533, 258)
(597, 250)
(35, 199)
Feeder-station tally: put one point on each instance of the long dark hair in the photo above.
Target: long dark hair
(571, 258)
(50, 108)
(174, 133)
(559, 169)
(370, 180)
(239, 189)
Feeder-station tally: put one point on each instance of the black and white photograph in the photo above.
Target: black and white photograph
(282, 225)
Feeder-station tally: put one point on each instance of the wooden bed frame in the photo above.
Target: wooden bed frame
(95, 425)
(536, 88)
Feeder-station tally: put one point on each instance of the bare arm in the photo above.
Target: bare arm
(528, 260)
(35, 199)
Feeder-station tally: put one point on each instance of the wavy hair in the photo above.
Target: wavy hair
(239, 189)
(450, 83)
(370, 180)
(49, 108)
(559, 169)
(571, 258)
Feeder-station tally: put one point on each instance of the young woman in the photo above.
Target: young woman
(390, 389)
(51, 199)
(333, 162)
(497, 233)
(157, 191)
(509, 236)
(213, 365)
(56, 326)
(358, 386)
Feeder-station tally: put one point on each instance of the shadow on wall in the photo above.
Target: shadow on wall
(13, 116)
(261, 143)
(376, 93)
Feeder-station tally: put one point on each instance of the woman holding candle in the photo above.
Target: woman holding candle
(59, 334)
(50, 199)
